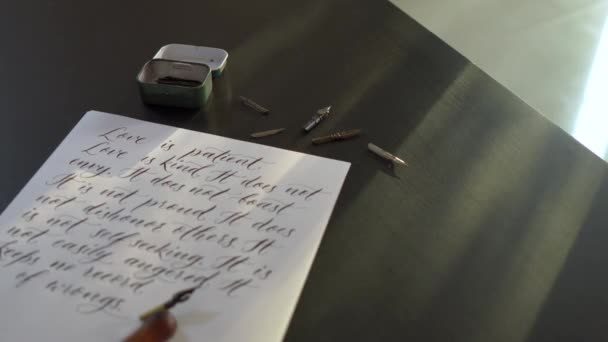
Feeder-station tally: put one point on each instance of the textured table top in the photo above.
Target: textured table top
(496, 231)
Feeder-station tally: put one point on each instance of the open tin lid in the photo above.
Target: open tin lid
(215, 58)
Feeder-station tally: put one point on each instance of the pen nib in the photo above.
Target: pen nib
(324, 111)
(386, 155)
(400, 161)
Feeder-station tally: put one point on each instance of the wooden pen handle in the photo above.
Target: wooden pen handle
(323, 140)
(336, 136)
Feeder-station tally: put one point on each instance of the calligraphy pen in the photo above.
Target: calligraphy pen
(177, 298)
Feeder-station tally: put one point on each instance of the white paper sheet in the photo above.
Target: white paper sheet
(125, 213)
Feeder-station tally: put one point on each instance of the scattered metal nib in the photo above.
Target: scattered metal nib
(318, 117)
(385, 155)
(267, 133)
(253, 105)
(344, 135)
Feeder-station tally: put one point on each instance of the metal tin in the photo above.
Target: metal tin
(215, 58)
(152, 92)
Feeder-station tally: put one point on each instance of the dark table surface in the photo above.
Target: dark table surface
(498, 230)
